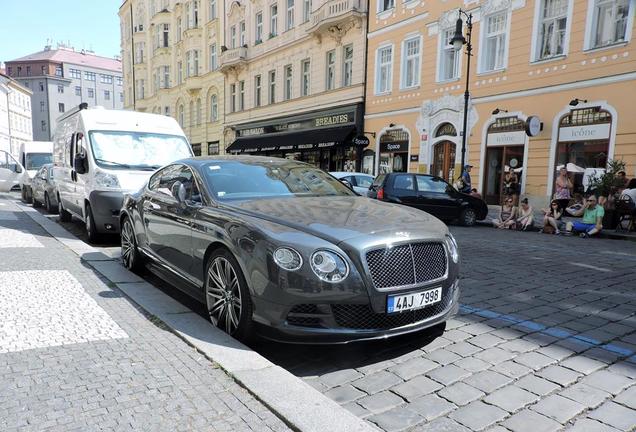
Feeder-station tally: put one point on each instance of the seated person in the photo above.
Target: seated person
(592, 222)
(525, 218)
(552, 217)
(630, 190)
(574, 206)
(507, 215)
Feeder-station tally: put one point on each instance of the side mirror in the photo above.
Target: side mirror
(80, 163)
(179, 192)
(17, 168)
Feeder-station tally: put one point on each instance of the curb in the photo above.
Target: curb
(299, 405)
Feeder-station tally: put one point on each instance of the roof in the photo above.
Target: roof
(72, 57)
(14, 83)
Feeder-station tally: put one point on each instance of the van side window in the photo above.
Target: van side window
(71, 150)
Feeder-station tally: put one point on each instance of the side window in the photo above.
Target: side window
(431, 184)
(3, 160)
(379, 180)
(167, 177)
(163, 181)
(350, 179)
(153, 183)
(363, 181)
(404, 182)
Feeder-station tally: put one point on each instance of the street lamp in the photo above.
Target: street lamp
(458, 41)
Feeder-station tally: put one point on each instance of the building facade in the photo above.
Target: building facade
(294, 79)
(566, 68)
(61, 79)
(15, 115)
(170, 52)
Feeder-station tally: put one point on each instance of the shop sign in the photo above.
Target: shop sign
(361, 141)
(533, 126)
(296, 125)
(585, 133)
(392, 147)
(415, 158)
(507, 138)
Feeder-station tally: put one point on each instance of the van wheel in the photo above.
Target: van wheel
(468, 217)
(91, 229)
(26, 197)
(64, 215)
(47, 203)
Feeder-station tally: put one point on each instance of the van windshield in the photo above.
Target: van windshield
(36, 160)
(137, 150)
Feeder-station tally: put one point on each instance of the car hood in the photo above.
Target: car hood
(339, 219)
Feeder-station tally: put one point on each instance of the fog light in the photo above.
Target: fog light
(109, 227)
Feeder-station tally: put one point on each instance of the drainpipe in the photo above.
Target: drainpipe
(364, 96)
(132, 56)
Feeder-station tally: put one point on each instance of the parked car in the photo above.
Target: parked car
(359, 182)
(11, 172)
(43, 189)
(431, 194)
(101, 154)
(33, 154)
(281, 247)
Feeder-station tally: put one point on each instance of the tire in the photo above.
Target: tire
(36, 203)
(130, 255)
(47, 203)
(26, 196)
(221, 293)
(64, 215)
(468, 217)
(91, 229)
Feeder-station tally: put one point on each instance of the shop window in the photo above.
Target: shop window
(213, 148)
(506, 124)
(196, 149)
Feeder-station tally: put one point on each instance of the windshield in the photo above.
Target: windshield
(36, 160)
(247, 180)
(137, 150)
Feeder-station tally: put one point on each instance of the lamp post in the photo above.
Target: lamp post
(458, 41)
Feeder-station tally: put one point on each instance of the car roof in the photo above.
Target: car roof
(204, 160)
(345, 173)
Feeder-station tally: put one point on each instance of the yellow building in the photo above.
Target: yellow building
(295, 79)
(170, 53)
(568, 66)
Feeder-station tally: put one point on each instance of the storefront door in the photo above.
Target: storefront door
(444, 160)
(394, 151)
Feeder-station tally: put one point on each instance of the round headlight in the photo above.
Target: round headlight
(453, 250)
(329, 266)
(287, 258)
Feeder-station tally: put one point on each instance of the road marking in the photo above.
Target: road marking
(601, 269)
(11, 238)
(550, 331)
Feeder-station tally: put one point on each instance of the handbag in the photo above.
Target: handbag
(548, 229)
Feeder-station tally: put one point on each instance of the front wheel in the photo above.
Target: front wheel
(65, 216)
(468, 217)
(227, 298)
(91, 229)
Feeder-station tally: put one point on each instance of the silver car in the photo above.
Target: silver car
(43, 187)
(359, 182)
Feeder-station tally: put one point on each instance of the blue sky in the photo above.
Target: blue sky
(88, 24)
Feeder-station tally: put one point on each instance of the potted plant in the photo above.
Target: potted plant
(605, 186)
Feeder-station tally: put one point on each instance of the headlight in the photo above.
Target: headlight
(452, 248)
(105, 180)
(329, 266)
(287, 259)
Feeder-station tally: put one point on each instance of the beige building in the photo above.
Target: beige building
(170, 53)
(15, 115)
(295, 72)
(565, 66)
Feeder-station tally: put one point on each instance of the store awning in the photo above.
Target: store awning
(295, 141)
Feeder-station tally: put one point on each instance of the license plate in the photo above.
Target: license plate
(416, 300)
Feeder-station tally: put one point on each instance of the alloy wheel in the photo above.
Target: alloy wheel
(224, 300)
(128, 246)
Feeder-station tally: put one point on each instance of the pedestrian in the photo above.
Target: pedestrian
(466, 182)
(552, 218)
(563, 188)
(525, 218)
(507, 215)
(511, 184)
(592, 222)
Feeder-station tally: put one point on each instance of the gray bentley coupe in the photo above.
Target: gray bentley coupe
(283, 249)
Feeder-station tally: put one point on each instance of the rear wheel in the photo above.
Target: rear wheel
(468, 217)
(91, 229)
(26, 196)
(129, 253)
(47, 203)
(64, 215)
(227, 298)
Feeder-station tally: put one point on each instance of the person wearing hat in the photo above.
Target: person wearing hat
(466, 183)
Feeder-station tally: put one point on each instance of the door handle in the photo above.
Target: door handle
(151, 206)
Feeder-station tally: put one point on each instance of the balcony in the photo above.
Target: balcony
(336, 16)
(233, 59)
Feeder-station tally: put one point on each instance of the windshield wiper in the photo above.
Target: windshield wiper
(112, 163)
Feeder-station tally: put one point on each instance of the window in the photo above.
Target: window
(331, 70)
(166, 109)
(78, 91)
(91, 93)
(89, 76)
(347, 70)
(494, 42)
(212, 9)
(233, 37)
(411, 63)
(179, 28)
(232, 97)
(60, 89)
(257, 91)
(214, 108)
(259, 27)
(241, 101)
(139, 52)
(195, 64)
(75, 73)
(60, 107)
(195, 13)
(166, 76)
(213, 148)
(19, 70)
(273, 20)
(42, 106)
(610, 22)
(139, 90)
(213, 57)
(58, 71)
(199, 113)
(306, 10)
(404, 182)
(431, 184)
(384, 69)
(272, 86)
(119, 80)
(290, 15)
(448, 57)
(552, 28)
(43, 70)
(287, 93)
(165, 39)
(242, 37)
(181, 116)
(28, 70)
(106, 79)
(43, 126)
(41, 86)
(191, 114)
(384, 5)
(107, 92)
(121, 97)
(305, 87)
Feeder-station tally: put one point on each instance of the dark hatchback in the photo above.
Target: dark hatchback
(431, 194)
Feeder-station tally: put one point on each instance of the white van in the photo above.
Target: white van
(99, 155)
(33, 155)
(11, 172)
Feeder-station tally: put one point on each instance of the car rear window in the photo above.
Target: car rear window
(404, 182)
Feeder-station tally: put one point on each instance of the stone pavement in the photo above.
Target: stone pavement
(75, 354)
(546, 341)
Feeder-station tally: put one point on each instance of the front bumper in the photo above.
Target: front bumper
(106, 206)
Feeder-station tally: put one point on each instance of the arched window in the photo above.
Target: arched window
(446, 129)
(181, 116)
(214, 108)
(198, 112)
